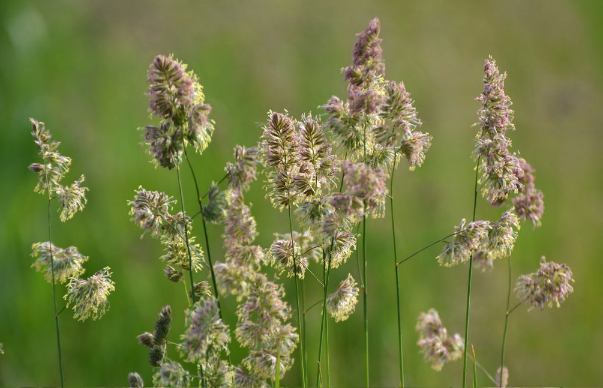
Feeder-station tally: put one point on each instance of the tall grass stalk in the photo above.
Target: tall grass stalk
(364, 284)
(54, 292)
(207, 247)
(391, 208)
(469, 282)
(507, 313)
(188, 248)
(299, 321)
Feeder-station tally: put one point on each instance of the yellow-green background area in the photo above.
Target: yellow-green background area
(80, 66)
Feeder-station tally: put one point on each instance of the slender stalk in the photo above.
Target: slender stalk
(54, 285)
(322, 317)
(188, 247)
(327, 357)
(474, 367)
(299, 321)
(303, 306)
(469, 283)
(323, 323)
(364, 281)
(504, 341)
(188, 298)
(391, 208)
(428, 246)
(481, 367)
(277, 380)
(207, 247)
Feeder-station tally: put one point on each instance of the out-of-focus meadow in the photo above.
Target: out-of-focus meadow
(80, 66)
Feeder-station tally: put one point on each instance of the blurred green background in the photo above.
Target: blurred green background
(80, 66)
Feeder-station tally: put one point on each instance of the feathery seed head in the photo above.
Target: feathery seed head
(205, 332)
(502, 377)
(243, 171)
(214, 211)
(89, 297)
(341, 303)
(151, 211)
(135, 381)
(171, 374)
(464, 243)
(245, 379)
(368, 184)
(173, 274)
(202, 291)
(72, 198)
(437, 346)
(177, 252)
(550, 285)
(285, 257)
(68, 263)
(146, 339)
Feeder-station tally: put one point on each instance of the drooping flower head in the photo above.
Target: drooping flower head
(437, 346)
(68, 262)
(341, 303)
(89, 298)
(550, 285)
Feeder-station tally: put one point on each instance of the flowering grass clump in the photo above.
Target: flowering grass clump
(550, 285)
(89, 298)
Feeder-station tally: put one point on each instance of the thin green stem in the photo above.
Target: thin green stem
(303, 306)
(188, 298)
(207, 247)
(474, 368)
(469, 283)
(364, 281)
(54, 286)
(299, 321)
(322, 317)
(484, 370)
(429, 246)
(323, 322)
(277, 380)
(400, 353)
(504, 341)
(188, 247)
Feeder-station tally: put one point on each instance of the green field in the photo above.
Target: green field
(80, 66)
